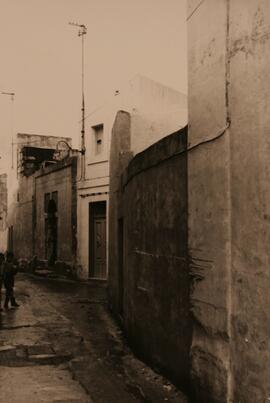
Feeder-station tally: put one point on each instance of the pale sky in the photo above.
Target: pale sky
(41, 58)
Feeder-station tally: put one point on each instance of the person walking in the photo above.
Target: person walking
(9, 272)
(2, 259)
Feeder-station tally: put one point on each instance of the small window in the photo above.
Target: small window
(98, 138)
(46, 202)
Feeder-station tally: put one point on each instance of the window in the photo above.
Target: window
(98, 138)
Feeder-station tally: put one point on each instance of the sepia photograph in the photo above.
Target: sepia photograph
(134, 201)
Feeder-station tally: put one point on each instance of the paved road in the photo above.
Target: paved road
(62, 345)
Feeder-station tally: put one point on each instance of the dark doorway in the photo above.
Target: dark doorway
(97, 240)
(51, 232)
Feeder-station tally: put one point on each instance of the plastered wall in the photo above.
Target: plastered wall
(228, 176)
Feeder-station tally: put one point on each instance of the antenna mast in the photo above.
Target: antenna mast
(82, 31)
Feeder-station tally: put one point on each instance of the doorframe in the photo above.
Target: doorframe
(92, 214)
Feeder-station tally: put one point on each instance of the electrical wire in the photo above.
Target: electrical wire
(220, 134)
(195, 9)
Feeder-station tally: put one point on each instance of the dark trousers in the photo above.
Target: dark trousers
(9, 284)
(9, 292)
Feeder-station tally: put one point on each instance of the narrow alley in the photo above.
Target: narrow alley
(135, 201)
(62, 345)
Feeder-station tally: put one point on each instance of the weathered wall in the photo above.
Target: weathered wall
(149, 288)
(3, 212)
(23, 219)
(60, 178)
(21, 196)
(3, 240)
(209, 195)
(3, 202)
(120, 155)
(228, 198)
(29, 215)
(249, 55)
(156, 278)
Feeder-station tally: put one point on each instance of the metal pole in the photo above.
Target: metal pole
(82, 32)
(83, 103)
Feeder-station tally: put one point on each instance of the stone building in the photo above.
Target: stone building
(155, 110)
(55, 216)
(229, 199)
(43, 218)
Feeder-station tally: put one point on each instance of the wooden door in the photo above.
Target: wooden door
(97, 240)
(99, 247)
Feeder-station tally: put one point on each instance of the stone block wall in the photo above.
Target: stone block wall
(153, 271)
(61, 179)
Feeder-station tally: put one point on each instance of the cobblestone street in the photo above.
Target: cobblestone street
(61, 345)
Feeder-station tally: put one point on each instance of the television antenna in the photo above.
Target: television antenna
(82, 32)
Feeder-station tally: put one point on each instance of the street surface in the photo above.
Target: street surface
(61, 345)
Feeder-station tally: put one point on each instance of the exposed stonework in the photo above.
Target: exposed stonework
(149, 279)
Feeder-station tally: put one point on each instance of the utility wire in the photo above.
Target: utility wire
(195, 9)
(91, 113)
(219, 134)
